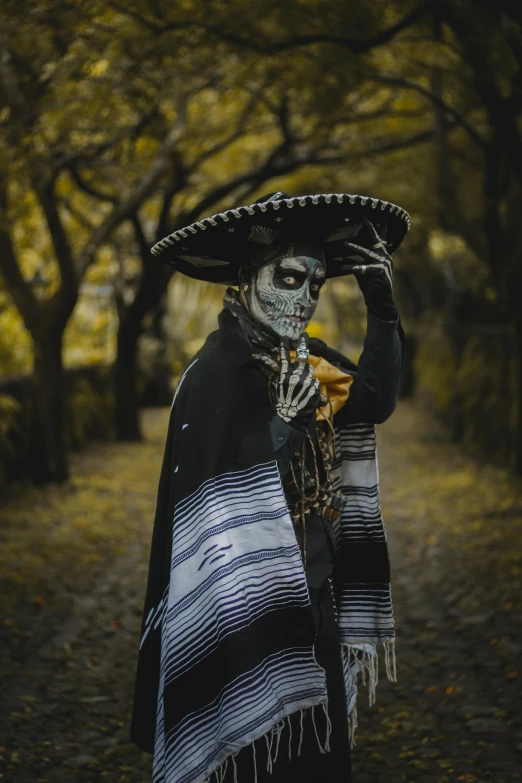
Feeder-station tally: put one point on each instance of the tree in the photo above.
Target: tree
(123, 122)
(36, 157)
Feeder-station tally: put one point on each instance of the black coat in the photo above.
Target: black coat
(227, 636)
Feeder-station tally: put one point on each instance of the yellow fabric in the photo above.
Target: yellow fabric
(333, 382)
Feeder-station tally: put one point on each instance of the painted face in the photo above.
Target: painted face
(283, 294)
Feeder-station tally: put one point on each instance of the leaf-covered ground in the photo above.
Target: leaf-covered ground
(73, 565)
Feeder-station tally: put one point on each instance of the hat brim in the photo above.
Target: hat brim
(213, 248)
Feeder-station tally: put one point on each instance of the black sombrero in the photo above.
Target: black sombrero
(214, 248)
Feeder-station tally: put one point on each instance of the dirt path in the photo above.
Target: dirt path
(74, 563)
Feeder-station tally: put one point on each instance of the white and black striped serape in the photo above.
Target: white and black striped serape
(227, 642)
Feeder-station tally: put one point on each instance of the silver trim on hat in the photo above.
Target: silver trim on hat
(202, 225)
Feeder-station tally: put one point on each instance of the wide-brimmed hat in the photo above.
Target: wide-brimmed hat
(214, 248)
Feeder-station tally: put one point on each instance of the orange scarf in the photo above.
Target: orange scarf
(334, 383)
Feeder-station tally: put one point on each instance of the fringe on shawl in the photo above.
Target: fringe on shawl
(366, 665)
(368, 669)
(271, 737)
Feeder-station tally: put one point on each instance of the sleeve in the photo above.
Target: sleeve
(373, 394)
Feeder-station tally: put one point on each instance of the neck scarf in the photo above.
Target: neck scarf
(254, 331)
(334, 383)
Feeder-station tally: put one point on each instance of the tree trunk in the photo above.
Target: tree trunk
(49, 459)
(153, 283)
(127, 411)
(513, 287)
(517, 456)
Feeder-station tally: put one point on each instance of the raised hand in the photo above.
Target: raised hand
(298, 393)
(375, 274)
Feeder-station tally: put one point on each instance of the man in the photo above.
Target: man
(268, 588)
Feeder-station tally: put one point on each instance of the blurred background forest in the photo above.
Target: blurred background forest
(121, 122)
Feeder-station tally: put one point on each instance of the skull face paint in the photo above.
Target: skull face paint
(283, 294)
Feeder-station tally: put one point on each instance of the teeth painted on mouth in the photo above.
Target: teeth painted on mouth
(295, 319)
(276, 315)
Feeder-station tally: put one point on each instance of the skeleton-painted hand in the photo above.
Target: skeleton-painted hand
(374, 276)
(298, 393)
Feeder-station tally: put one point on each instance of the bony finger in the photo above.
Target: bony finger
(312, 391)
(371, 228)
(303, 340)
(350, 269)
(352, 246)
(283, 350)
(309, 369)
(305, 399)
(304, 386)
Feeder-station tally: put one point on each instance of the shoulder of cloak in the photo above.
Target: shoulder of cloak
(320, 348)
(220, 420)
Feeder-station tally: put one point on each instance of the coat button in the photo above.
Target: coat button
(280, 438)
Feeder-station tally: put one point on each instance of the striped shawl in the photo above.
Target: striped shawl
(227, 641)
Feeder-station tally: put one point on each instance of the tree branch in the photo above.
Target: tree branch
(62, 249)
(124, 9)
(89, 189)
(398, 81)
(178, 182)
(66, 161)
(282, 161)
(354, 45)
(80, 218)
(142, 190)
(139, 233)
(20, 291)
(230, 139)
(390, 146)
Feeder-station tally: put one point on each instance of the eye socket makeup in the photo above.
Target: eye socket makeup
(283, 294)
